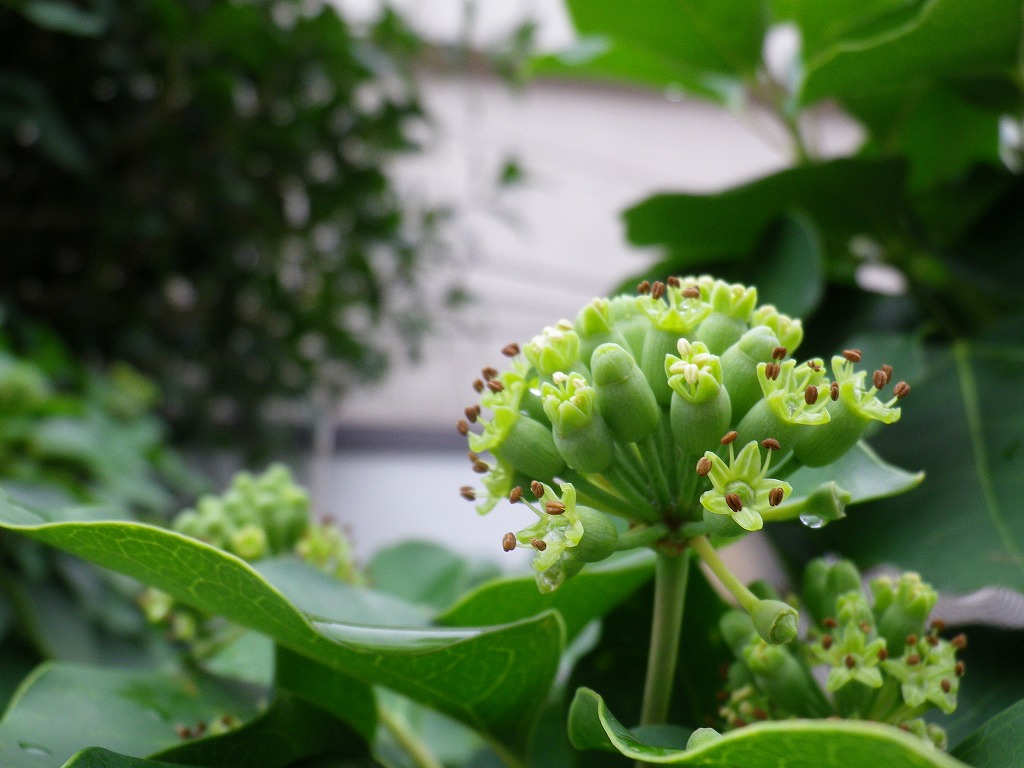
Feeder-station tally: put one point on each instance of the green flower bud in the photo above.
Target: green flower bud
(556, 348)
(672, 315)
(623, 394)
(825, 583)
(700, 409)
(852, 653)
(731, 308)
(156, 604)
(737, 630)
(581, 435)
(825, 504)
(789, 331)
(702, 737)
(901, 608)
(595, 327)
(785, 679)
(600, 537)
(775, 621)
(739, 367)
(741, 488)
(722, 528)
(795, 396)
(854, 407)
(628, 320)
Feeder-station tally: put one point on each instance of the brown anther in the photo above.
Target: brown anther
(833, 390)
(779, 353)
(932, 640)
(488, 373)
(480, 467)
(183, 732)
(775, 496)
(644, 287)
(939, 625)
(200, 728)
(539, 544)
(467, 493)
(772, 370)
(826, 642)
(691, 292)
(913, 660)
(904, 727)
(959, 642)
(830, 623)
(959, 669)
(878, 378)
(703, 466)
(471, 414)
(722, 696)
(510, 350)
(760, 714)
(771, 444)
(729, 436)
(462, 427)
(883, 654)
(471, 456)
(813, 365)
(911, 640)
(495, 386)
(515, 494)
(657, 289)
(811, 395)
(673, 281)
(508, 541)
(478, 385)
(887, 370)
(849, 661)
(734, 502)
(901, 390)
(537, 488)
(946, 686)
(554, 508)
(853, 355)
(865, 627)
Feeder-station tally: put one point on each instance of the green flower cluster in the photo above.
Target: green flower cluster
(636, 406)
(884, 659)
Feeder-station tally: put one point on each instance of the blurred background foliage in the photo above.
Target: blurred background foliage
(200, 188)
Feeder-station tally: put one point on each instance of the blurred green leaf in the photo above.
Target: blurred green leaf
(424, 573)
(782, 744)
(997, 744)
(68, 17)
(860, 472)
(843, 22)
(492, 678)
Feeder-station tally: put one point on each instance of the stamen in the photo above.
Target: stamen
(833, 390)
(673, 281)
(826, 642)
(478, 385)
(811, 395)
(554, 508)
(849, 661)
(537, 488)
(539, 544)
(495, 386)
(946, 686)
(657, 289)
(775, 496)
(830, 623)
(772, 370)
(703, 466)
(515, 494)
(853, 355)
(691, 292)
(913, 660)
(729, 436)
(779, 353)
(472, 456)
(939, 625)
(879, 379)
(508, 541)
(959, 669)
(813, 365)
(771, 444)
(471, 414)
(959, 642)
(734, 502)
(932, 640)
(467, 493)
(488, 373)
(480, 467)
(865, 627)
(510, 350)
(901, 390)
(883, 654)
(911, 640)
(887, 370)
(462, 427)
(644, 287)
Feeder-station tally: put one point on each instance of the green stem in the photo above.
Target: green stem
(707, 553)
(624, 486)
(407, 740)
(669, 598)
(607, 499)
(642, 536)
(652, 462)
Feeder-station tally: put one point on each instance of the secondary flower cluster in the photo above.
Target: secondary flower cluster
(885, 659)
(666, 408)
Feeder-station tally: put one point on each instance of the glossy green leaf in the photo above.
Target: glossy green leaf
(841, 198)
(425, 573)
(947, 40)
(998, 743)
(860, 472)
(706, 47)
(134, 713)
(963, 426)
(97, 757)
(492, 678)
(782, 744)
(787, 266)
(587, 596)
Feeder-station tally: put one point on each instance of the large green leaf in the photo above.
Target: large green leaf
(843, 22)
(841, 198)
(963, 425)
(97, 757)
(425, 573)
(707, 47)
(493, 678)
(783, 744)
(63, 708)
(587, 596)
(997, 744)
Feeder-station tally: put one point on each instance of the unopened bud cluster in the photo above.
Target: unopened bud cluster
(681, 406)
(882, 659)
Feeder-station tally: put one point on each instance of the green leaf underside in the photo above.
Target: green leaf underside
(493, 679)
(62, 708)
(962, 427)
(998, 743)
(583, 598)
(783, 744)
(861, 472)
(97, 757)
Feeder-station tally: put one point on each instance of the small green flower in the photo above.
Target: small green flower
(731, 306)
(788, 330)
(741, 488)
(580, 433)
(556, 348)
(851, 651)
(696, 374)
(498, 480)
(558, 529)
(928, 673)
(677, 310)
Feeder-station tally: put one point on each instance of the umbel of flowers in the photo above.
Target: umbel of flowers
(671, 419)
